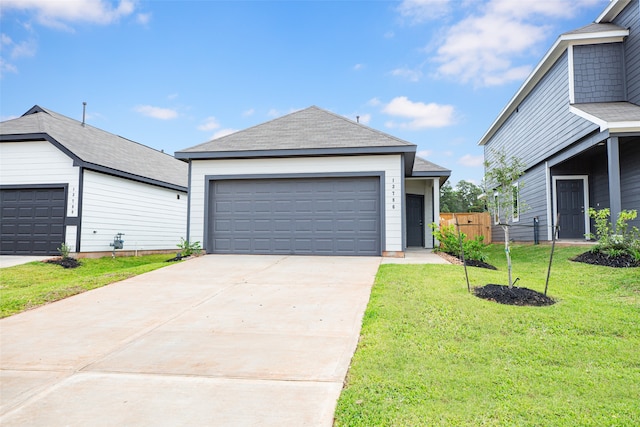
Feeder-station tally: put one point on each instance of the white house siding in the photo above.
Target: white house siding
(37, 163)
(150, 217)
(425, 187)
(390, 164)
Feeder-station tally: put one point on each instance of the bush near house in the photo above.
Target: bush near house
(474, 249)
(618, 246)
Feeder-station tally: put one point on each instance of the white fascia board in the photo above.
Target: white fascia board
(593, 119)
(536, 75)
(612, 127)
(614, 8)
(545, 65)
(621, 127)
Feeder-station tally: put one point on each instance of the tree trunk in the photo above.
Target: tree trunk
(507, 251)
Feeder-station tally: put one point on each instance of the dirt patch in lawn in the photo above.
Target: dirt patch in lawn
(65, 262)
(599, 258)
(470, 262)
(512, 296)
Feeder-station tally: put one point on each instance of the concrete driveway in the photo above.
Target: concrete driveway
(220, 340)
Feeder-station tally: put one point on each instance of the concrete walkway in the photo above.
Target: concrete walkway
(220, 340)
(417, 256)
(13, 260)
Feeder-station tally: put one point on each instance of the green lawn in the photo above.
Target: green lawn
(431, 354)
(29, 285)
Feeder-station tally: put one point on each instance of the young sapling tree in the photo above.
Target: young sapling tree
(502, 190)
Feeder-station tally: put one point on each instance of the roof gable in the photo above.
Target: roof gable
(304, 132)
(596, 33)
(96, 149)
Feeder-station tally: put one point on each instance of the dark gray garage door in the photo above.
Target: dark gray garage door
(32, 221)
(315, 216)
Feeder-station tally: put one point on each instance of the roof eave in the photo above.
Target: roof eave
(545, 65)
(613, 127)
(211, 155)
(610, 13)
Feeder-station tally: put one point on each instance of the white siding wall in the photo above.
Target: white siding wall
(151, 217)
(425, 187)
(40, 162)
(390, 164)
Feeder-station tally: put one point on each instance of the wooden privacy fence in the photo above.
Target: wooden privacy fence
(471, 223)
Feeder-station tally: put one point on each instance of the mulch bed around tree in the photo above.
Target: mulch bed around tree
(599, 258)
(514, 296)
(470, 262)
(65, 262)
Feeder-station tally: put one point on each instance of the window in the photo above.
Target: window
(515, 199)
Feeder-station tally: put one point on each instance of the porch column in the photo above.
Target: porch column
(436, 206)
(613, 165)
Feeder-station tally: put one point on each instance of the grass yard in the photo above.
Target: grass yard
(30, 285)
(431, 354)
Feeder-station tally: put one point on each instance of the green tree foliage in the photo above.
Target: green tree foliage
(464, 198)
(501, 173)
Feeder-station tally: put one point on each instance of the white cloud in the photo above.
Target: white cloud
(358, 67)
(249, 112)
(420, 115)
(209, 124)
(471, 161)
(5, 40)
(24, 49)
(422, 10)
(273, 113)
(374, 102)
(406, 73)
(389, 35)
(143, 18)
(485, 47)
(5, 67)
(57, 13)
(156, 112)
(424, 153)
(172, 96)
(223, 132)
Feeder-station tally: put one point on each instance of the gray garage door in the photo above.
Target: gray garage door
(304, 216)
(32, 221)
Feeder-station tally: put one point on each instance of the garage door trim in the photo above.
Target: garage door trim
(372, 174)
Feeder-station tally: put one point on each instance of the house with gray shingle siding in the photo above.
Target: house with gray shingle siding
(311, 182)
(575, 122)
(63, 181)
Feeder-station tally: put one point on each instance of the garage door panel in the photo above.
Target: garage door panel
(299, 216)
(32, 220)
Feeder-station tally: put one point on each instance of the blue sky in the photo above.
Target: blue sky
(173, 74)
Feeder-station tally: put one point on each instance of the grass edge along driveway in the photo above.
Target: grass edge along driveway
(431, 354)
(30, 285)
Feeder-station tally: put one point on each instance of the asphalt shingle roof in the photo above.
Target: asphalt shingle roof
(612, 111)
(311, 128)
(95, 146)
(596, 28)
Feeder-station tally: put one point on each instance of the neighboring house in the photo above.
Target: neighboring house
(62, 181)
(311, 182)
(575, 122)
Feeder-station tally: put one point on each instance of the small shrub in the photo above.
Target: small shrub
(189, 248)
(619, 240)
(474, 249)
(64, 250)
